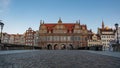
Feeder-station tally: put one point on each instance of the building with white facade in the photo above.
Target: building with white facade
(106, 34)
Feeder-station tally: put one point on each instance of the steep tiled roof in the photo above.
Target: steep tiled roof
(69, 26)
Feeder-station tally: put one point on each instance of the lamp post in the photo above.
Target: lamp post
(1, 25)
(116, 25)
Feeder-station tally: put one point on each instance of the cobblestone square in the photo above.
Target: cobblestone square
(58, 59)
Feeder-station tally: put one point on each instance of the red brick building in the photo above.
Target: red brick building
(29, 37)
(63, 35)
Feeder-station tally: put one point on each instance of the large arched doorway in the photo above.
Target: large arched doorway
(63, 47)
(70, 46)
(49, 47)
(56, 47)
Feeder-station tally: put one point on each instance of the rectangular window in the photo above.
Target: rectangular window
(72, 38)
(64, 38)
(57, 38)
(68, 38)
(75, 38)
(48, 38)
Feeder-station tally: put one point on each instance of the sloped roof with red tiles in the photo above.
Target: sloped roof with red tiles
(69, 26)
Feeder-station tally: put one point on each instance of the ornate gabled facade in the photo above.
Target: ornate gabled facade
(5, 38)
(94, 40)
(13, 38)
(107, 35)
(62, 35)
(29, 37)
(17, 38)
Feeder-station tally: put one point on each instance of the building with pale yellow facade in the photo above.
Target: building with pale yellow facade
(94, 40)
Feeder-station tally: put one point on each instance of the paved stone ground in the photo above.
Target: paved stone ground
(14, 51)
(58, 59)
(108, 53)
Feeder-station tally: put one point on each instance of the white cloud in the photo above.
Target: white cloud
(4, 4)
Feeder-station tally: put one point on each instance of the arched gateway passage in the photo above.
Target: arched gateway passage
(56, 47)
(49, 47)
(63, 47)
(71, 46)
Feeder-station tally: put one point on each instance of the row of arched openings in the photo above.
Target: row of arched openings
(57, 47)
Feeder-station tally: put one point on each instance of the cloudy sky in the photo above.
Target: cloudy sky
(19, 15)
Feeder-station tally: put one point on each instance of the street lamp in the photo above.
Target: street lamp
(116, 25)
(1, 25)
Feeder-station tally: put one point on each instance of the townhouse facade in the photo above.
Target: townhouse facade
(29, 37)
(94, 40)
(5, 38)
(13, 38)
(106, 34)
(62, 35)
